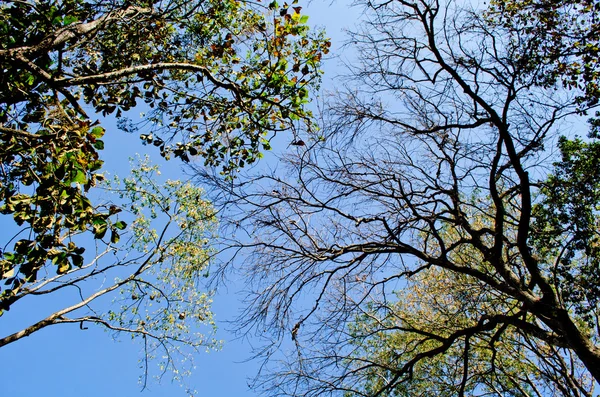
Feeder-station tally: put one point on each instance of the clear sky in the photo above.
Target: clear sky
(65, 361)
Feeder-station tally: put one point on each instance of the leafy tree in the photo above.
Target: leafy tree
(566, 227)
(417, 245)
(564, 41)
(435, 305)
(152, 268)
(217, 80)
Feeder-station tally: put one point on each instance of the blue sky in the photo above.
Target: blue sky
(65, 361)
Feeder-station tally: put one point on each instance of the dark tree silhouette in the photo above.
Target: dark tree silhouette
(414, 245)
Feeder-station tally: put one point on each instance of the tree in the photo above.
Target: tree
(152, 267)
(564, 40)
(216, 80)
(438, 303)
(420, 223)
(219, 76)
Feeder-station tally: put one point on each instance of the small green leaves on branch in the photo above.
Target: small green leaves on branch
(152, 265)
(216, 79)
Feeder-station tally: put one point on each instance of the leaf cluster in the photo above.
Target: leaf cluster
(566, 228)
(216, 80)
(564, 42)
(153, 269)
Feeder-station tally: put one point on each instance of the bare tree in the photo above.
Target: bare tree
(398, 249)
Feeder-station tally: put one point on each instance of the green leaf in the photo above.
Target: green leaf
(99, 145)
(100, 226)
(23, 246)
(77, 260)
(79, 177)
(69, 19)
(63, 267)
(114, 236)
(97, 132)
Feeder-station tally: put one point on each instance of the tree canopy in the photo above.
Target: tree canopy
(152, 270)
(216, 80)
(563, 42)
(430, 240)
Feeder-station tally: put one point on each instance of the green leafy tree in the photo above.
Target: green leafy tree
(437, 305)
(436, 308)
(563, 41)
(564, 46)
(567, 227)
(217, 79)
(156, 254)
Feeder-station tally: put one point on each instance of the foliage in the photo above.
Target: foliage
(567, 227)
(563, 41)
(418, 246)
(60, 167)
(564, 38)
(217, 80)
(430, 309)
(158, 253)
